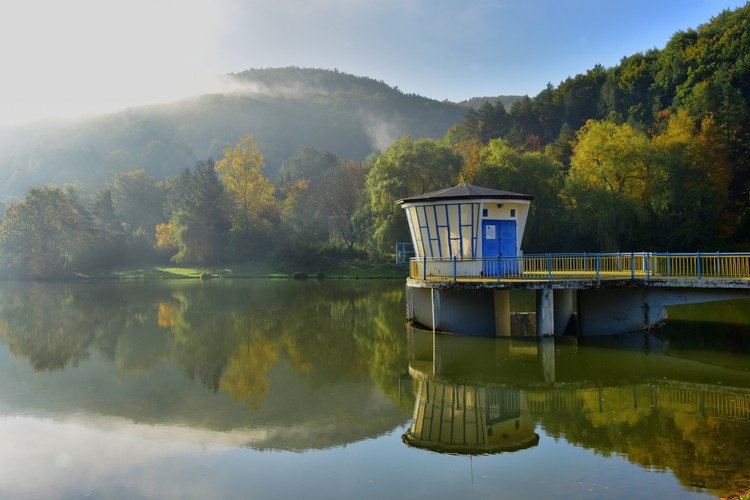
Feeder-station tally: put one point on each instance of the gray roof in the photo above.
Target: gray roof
(466, 192)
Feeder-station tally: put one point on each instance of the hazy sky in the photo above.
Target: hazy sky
(76, 56)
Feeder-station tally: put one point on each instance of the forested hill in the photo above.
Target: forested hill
(653, 152)
(284, 109)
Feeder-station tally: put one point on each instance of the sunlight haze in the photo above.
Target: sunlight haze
(87, 56)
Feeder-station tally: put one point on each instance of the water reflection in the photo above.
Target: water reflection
(131, 389)
(639, 396)
(277, 366)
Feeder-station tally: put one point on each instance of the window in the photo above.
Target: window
(484, 212)
(512, 212)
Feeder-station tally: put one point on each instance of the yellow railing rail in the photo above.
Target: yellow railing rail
(599, 266)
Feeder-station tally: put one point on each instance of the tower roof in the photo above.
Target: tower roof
(466, 192)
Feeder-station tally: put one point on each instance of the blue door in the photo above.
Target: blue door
(499, 247)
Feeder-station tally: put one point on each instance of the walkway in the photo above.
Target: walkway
(667, 268)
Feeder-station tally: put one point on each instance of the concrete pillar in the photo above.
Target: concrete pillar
(545, 320)
(563, 309)
(420, 300)
(502, 313)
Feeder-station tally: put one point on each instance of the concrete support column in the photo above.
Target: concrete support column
(545, 320)
(563, 309)
(502, 313)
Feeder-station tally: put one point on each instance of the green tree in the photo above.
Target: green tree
(306, 182)
(345, 194)
(406, 168)
(138, 201)
(503, 167)
(200, 222)
(41, 235)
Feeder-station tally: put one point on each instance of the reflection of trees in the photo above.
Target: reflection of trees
(382, 335)
(330, 333)
(246, 377)
(703, 451)
(653, 408)
(43, 324)
(227, 336)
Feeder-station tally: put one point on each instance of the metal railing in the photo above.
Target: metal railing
(585, 266)
(404, 252)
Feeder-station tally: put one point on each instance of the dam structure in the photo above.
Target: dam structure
(468, 258)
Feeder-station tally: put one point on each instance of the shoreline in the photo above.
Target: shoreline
(343, 271)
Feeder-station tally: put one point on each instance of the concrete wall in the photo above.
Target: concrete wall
(466, 311)
(620, 310)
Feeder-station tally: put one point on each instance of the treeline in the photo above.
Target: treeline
(649, 155)
(213, 213)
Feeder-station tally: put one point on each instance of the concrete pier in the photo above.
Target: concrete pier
(545, 315)
(485, 310)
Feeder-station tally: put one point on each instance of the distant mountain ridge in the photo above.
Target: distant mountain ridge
(285, 109)
(477, 102)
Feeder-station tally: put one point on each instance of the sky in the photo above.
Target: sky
(77, 57)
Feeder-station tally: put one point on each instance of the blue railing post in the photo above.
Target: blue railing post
(424, 268)
(619, 262)
(632, 265)
(454, 269)
(698, 265)
(549, 267)
(598, 264)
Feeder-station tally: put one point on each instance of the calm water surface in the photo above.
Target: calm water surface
(276, 389)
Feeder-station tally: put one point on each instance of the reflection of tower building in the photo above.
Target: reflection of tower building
(468, 419)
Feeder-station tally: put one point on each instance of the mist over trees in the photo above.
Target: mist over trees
(651, 154)
(285, 109)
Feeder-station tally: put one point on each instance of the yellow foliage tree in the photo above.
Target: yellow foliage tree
(608, 184)
(241, 171)
(165, 237)
(611, 157)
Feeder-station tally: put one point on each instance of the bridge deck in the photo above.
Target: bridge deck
(704, 270)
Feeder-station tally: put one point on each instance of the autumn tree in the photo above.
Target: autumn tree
(608, 185)
(691, 187)
(251, 193)
(254, 210)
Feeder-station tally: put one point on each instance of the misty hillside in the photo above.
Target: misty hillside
(284, 109)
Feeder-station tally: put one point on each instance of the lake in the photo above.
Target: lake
(286, 389)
